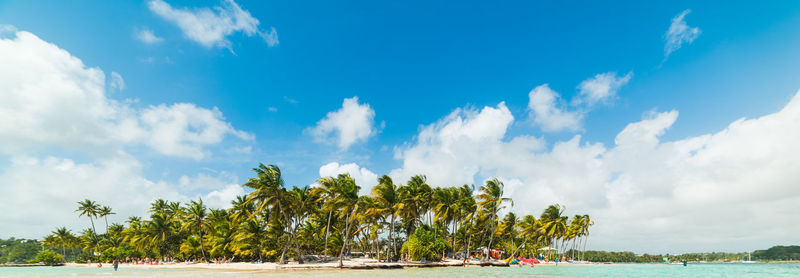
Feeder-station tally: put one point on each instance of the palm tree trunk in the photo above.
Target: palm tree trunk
(296, 243)
(93, 229)
(455, 229)
(518, 247)
(327, 233)
(106, 218)
(391, 240)
(584, 248)
(202, 251)
(346, 236)
(491, 239)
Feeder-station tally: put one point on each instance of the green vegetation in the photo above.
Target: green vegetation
(276, 223)
(778, 253)
(18, 251)
(424, 243)
(48, 257)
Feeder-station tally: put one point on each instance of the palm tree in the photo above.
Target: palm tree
(63, 238)
(104, 212)
(491, 196)
(326, 194)
(90, 209)
(347, 201)
(445, 207)
(300, 203)
(159, 206)
(414, 202)
(584, 231)
(386, 200)
(467, 209)
(196, 221)
(554, 225)
(268, 190)
(241, 210)
(528, 229)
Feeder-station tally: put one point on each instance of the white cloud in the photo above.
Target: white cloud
(183, 129)
(352, 123)
(364, 178)
(678, 34)
(53, 103)
(550, 112)
(645, 194)
(117, 83)
(211, 27)
(48, 189)
(51, 99)
(602, 87)
(147, 36)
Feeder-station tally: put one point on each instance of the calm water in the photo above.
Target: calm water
(617, 270)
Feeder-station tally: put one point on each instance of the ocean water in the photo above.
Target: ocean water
(615, 270)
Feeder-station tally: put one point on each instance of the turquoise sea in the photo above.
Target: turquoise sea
(614, 270)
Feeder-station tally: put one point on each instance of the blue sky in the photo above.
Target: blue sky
(411, 64)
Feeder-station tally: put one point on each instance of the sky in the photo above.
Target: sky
(675, 125)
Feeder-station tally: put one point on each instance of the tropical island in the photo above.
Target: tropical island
(326, 222)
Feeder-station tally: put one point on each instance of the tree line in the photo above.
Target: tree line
(330, 221)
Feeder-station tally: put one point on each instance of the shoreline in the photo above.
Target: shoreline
(364, 264)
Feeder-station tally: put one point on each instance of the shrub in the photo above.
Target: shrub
(424, 243)
(47, 257)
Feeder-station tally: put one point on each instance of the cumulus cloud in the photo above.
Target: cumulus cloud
(364, 178)
(51, 99)
(553, 114)
(53, 103)
(55, 184)
(550, 112)
(678, 34)
(350, 124)
(645, 194)
(211, 27)
(147, 36)
(602, 87)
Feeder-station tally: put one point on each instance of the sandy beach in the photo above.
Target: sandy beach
(348, 264)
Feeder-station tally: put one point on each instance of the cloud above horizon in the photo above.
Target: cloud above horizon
(53, 99)
(212, 27)
(55, 106)
(552, 113)
(638, 189)
(147, 36)
(679, 33)
(352, 123)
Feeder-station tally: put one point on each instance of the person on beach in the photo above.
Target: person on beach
(115, 264)
(99, 264)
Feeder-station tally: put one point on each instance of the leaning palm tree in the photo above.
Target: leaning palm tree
(491, 196)
(104, 212)
(90, 209)
(195, 219)
(529, 228)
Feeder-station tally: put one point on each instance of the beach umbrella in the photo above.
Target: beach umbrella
(546, 248)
